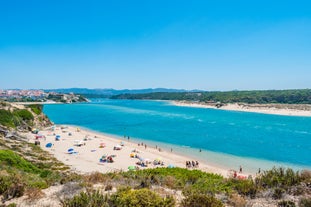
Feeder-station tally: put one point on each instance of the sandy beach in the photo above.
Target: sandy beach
(276, 109)
(86, 158)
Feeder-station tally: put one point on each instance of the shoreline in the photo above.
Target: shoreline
(86, 160)
(274, 109)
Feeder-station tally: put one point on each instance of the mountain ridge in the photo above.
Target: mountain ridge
(110, 91)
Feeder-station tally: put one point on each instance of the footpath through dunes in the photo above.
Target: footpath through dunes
(83, 150)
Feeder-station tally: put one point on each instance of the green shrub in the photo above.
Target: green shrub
(16, 189)
(14, 119)
(6, 118)
(36, 108)
(178, 178)
(9, 158)
(200, 200)
(278, 193)
(279, 177)
(71, 177)
(24, 114)
(305, 202)
(45, 173)
(140, 198)
(244, 187)
(306, 176)
(5, 183)
(286, 204)
(87, 199)
(34, 181)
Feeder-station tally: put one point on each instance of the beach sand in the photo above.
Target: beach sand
(86, 159)
(276, 109)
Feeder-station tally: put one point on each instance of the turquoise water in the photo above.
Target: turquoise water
(228, 138)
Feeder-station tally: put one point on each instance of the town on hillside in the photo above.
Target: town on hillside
(32, 95)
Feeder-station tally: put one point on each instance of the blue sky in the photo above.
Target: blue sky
(208, 45)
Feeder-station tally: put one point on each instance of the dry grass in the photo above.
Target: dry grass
(236, 200)
(34, 194)
(169, 181)
(306, 175)
(108, 187)
(95, 177)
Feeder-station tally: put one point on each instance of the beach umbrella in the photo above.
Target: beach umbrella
(170, 166)
(131, 168)
(40, 136)
(49, 145)
(117, 147)
(35, 131)
(70, 150)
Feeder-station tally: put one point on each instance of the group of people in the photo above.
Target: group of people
(105, 158)
(192, 163)
(142, 144)
(235, 173)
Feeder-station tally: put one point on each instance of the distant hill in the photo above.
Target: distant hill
(98, 92)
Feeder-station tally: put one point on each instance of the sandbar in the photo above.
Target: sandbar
(276, 109)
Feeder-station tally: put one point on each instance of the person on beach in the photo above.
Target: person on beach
(196, 163)
(171, 149)
(240, 169)
(145, 146)
(128, 138)
(200, 150)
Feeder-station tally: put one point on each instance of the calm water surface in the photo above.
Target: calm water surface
(224, 136)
